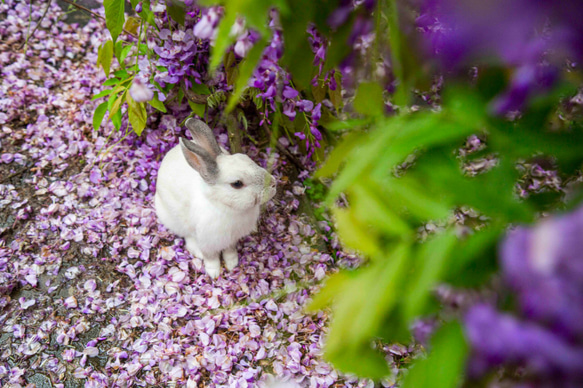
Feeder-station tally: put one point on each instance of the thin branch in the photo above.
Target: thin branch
(95, 15)
(37, 24)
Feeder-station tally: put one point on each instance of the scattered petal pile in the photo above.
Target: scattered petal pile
(91, 286)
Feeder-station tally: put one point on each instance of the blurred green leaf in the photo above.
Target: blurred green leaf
(366, 298)
(353, 233)
(99, 114)
(333, 286)
(430, 263)
(338, 155)
(444, 365)
(200, 89)
(371, 207)
(369, 99)
(147, 15)
(414, 198)
(117, 47)
(319, 91)
(474, 260)
(336, 94)
(176, 10)
(114, 17)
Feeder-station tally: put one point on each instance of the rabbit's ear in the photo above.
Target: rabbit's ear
(199, 159)
(203, 136)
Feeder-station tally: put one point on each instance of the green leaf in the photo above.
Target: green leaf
(115, 107)
(117, 47)
(431, 261)
(177, 10)
(114, 17)
(369, 99)
(336, 95)
(319, 91)
(147, 15)
(246, 69)
(156, 103)
(122, 74)
(197, 109)
(124, 53)
(444, 366)
(116, 120)
(137, 115)
(132, 25)
(111, 81)
(105, 55)
(99, 114)
(200, 89)
(103, 93)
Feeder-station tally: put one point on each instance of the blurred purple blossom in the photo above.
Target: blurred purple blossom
(543, 265)
(533, 37)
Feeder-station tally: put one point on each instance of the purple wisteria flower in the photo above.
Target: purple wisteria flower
(533, 37)
(543, 265)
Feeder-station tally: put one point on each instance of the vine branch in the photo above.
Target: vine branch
(37, 24)
(82, 8)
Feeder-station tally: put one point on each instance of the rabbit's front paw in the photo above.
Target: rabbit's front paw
(212, 268)
(231, 258)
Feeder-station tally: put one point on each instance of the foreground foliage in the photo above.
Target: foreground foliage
(400, 166)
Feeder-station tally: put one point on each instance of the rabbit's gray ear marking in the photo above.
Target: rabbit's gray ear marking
(199, 159)
(203, 136)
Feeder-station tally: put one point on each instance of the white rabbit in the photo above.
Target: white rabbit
(209, 197)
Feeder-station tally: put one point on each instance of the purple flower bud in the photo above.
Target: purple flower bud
(139, 7)
(317, 112)
(317, 134)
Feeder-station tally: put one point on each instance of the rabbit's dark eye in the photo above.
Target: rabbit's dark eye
(237, 184)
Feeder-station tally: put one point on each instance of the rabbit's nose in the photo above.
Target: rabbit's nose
(272, 181)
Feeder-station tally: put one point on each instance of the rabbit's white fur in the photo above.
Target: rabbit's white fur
(209, 212)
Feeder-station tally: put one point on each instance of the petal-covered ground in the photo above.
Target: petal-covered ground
(94, 291)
